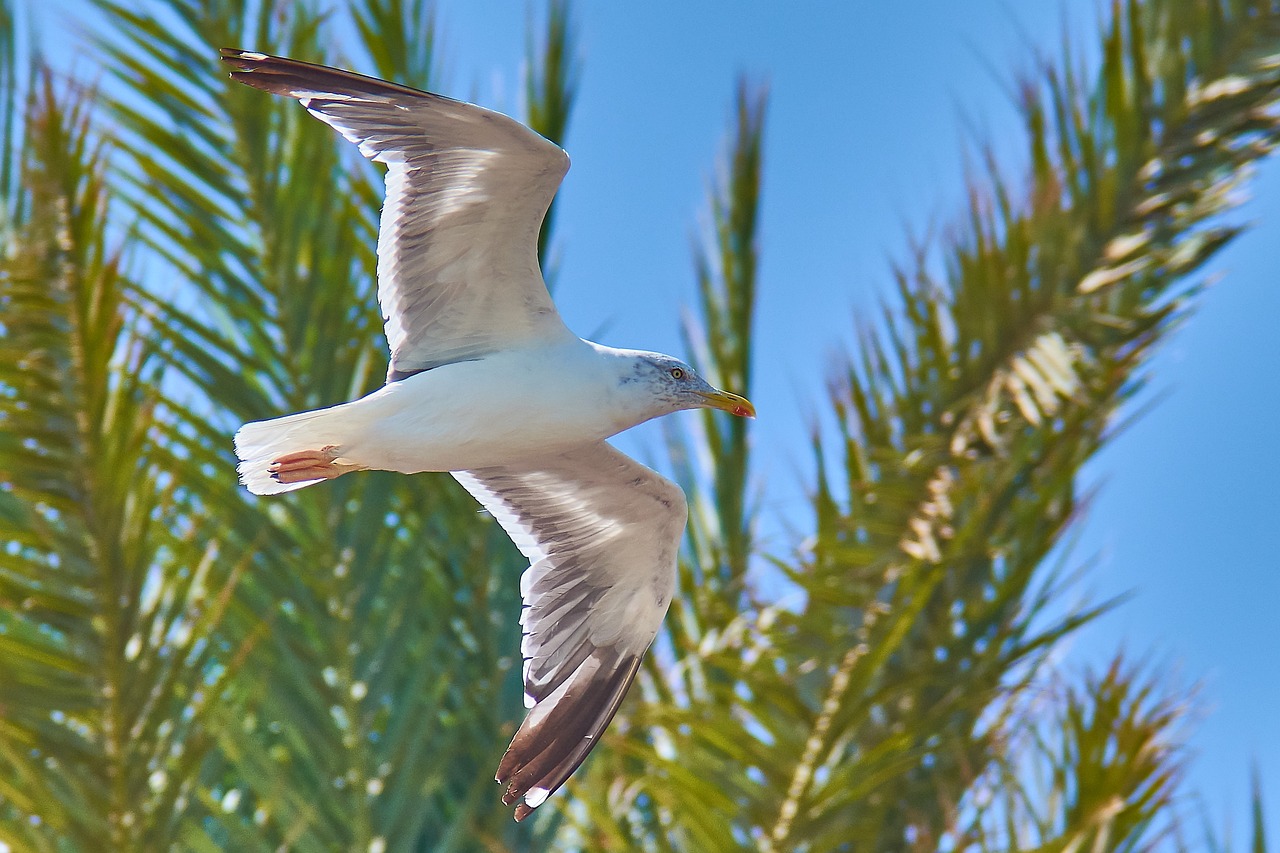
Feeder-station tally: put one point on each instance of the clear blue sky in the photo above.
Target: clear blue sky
(872, 105)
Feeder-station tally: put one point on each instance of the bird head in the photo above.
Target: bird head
(675, 386)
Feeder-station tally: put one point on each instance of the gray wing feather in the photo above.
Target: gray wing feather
(467, 189)
(600, 531)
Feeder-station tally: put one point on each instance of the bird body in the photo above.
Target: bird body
(487, 383)
(424, 427)
(430, 422)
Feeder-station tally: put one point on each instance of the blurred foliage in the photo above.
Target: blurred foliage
(185, 667)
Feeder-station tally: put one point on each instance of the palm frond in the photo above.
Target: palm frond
(726, 275)
(1098, 770)
(968, 414)
(10, 112)
(400, 37)
(1258, 815)
(108, 579)
(551, 86)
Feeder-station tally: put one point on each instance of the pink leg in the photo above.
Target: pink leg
(320, 464)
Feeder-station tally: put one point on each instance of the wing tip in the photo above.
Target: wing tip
(244, 61)
(251, 68)
(281, 75)
(233, 53)
(552, 743)
(533, 799)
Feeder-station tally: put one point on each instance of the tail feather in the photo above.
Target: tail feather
(259, 443)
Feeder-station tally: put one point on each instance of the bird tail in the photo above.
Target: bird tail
(261, 444)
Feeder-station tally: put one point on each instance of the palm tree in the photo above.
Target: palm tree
(181, 668)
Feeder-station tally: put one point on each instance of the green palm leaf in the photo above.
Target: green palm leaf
(110, 580)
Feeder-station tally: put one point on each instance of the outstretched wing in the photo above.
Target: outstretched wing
(467, 189)
(601, 532)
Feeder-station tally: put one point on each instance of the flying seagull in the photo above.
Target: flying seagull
(486, 382)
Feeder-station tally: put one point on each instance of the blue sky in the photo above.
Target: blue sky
(872, 108)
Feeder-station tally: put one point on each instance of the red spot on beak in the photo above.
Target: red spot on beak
(743, 412)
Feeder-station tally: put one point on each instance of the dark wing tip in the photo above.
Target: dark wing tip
(554, 740)
(247, 61)
(259, 70)
(283, 76)
(233, 53)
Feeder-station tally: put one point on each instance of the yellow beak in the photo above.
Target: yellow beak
(731, 403)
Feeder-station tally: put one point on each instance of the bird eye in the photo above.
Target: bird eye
(677, 373)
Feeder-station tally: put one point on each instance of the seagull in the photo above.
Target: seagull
(487, 383)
